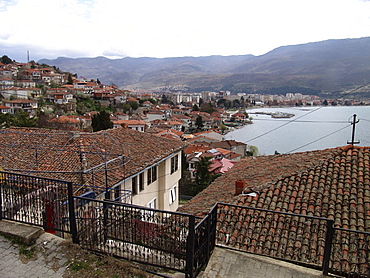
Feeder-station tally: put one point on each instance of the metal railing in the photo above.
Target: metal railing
(155, 237)
(35, 200)
(180, 241)
(307, 240)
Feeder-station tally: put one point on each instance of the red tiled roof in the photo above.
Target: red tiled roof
(332, 183)
(65, 155)
(257, 171)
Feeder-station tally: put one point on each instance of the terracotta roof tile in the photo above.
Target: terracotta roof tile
(65, 155)
(331, 183)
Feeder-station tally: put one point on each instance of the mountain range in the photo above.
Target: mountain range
(319, 68)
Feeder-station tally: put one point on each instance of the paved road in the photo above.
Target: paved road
(48, 261)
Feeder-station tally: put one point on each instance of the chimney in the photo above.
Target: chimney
(239, 186)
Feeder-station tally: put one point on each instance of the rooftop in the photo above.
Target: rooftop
(80, 156)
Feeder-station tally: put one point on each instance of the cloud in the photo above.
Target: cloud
(165, 28)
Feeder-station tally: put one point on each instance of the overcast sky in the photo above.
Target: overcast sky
(172, 28)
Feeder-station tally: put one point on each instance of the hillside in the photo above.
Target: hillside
(313, 68)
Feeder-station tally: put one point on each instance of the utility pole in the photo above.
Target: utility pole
(353, 142)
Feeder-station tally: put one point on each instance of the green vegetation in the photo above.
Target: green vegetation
(6, 60)
(101, 121)
(199, 123)
(78, 265)
(27, 251)
(86, 104)
(20, 119)
(203, 178)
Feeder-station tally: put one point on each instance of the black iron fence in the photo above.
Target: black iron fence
(36, 201)
(180, 241)
(307, 240)
(172, 240)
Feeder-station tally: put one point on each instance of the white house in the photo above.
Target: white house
(6, 82)
(131, 124)
(122, 164)
(26, 105)
(15, 92)
(5, 109)
(60, 97)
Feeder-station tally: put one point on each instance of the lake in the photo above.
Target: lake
(312, 128)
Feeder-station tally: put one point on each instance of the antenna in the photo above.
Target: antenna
(28, 56)
(353, 131)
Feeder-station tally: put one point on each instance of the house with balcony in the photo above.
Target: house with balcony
(15, 92)
(138, 125)
(5, 109)
(25, 105)
(6, 82)
(122, 164)
(59, 96)
(25, 83)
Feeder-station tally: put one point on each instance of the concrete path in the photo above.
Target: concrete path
(47, 259)
(226, 263)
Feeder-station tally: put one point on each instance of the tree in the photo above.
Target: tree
(134, 105)
(253, 151)
(101, 121)
(201, 102)
(23, 119)
(199, 122)
(70, 80)
(223, 128)
(195, 107)
(207, 107)
(6, 60)
(203, 177)
(20, 119)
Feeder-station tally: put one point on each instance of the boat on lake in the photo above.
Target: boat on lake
(282, 115)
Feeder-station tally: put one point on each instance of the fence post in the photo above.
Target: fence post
(190, 247)
(328, 246)
(208, 227)
(2, 177)
(72, 215)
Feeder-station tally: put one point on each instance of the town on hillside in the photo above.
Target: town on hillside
(39, 95)
(149, 169)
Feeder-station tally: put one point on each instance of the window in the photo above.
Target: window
(174, 164)
(150, 215)
(134, 186)
(152, 204)
(149, 176)
(172, 195)
(141, 181)
(154, 173)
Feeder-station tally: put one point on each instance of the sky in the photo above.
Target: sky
(172, 28)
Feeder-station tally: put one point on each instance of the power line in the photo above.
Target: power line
(355, 89)
(319, 122)
(295, 120)
(318, 139)
(263, 134)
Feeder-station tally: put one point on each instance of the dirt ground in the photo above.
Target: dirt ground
(83, 264)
